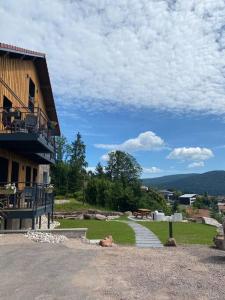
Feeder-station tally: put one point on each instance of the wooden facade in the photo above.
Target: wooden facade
(23, 151)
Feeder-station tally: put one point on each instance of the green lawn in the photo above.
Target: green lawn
(184, 233)
(74, 205)
(121, 232)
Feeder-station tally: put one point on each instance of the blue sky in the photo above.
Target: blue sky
(143, 76)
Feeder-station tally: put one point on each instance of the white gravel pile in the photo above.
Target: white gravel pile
(42, 237)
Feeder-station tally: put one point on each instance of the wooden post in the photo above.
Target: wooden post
(48, 220)
(33, 223)
(5, 224)
(40, 222)
(170, 229)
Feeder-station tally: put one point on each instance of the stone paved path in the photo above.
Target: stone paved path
(144, 237)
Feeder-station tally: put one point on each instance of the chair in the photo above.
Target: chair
(31, 122)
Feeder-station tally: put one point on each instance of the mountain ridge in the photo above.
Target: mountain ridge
(212, 182)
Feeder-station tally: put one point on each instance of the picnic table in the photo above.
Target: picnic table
(142, 212)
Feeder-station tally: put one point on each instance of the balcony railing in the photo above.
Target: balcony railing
(22, 120)
(31, 196)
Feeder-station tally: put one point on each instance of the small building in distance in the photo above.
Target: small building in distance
(187, 199)
(168, 195)
(144, 188)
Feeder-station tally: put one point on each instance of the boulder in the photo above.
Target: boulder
(100, 217)
(88, 217)
(171, 242)
(128, 213)
(106, 242)
(219, 242)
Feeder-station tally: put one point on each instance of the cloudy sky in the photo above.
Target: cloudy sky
(142, 76)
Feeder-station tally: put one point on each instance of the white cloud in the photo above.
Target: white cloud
(199, 164)
(105, 157)
(191, 154)
(151, 170)
(92, 169)
(167, 55)
(145, 141)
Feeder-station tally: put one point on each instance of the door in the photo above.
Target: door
(15, 173)
(34, 175)
(3, 170)
(28, 176)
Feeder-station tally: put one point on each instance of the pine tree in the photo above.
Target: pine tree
(99, 170)
(77, 164)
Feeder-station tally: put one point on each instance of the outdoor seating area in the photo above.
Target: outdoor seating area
(28, 197)
(142, 213)
(146, 214)
(22, 120)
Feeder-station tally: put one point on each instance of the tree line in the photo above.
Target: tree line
(115, 186)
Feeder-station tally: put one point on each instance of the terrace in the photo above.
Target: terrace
(28, 131)
(25, 201)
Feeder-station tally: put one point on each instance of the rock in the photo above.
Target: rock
(88, 216)
(112, 217)
(211, 221)
(100, 217)
(106, 242)
(219, 242)
(171, 242)
(42, 237)
(128, 213)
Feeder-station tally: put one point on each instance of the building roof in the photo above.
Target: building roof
(188, 196)
(166, 192)
(40, 63)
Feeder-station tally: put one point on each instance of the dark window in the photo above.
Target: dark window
(28, 176)
(3, 170)
(31, 95)
(34, 175)
(45, 177)
(7, 105)
(15, 172)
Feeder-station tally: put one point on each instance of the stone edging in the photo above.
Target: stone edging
(68, 232)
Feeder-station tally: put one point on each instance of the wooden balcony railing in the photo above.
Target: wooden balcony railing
(32, 196)
(22, 120)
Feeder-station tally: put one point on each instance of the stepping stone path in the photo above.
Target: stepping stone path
(145, 238)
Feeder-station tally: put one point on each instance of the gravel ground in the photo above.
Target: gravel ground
(74, 270)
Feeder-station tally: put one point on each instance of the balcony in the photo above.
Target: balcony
(27, 132)
(25, 201)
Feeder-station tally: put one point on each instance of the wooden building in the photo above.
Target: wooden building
(28, 126)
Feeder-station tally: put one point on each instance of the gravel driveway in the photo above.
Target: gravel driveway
(74, 270)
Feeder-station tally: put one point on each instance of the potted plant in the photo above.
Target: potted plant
(8, 189)
(49, 188)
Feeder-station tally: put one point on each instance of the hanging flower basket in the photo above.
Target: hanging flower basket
(8, 189)
(49, 189)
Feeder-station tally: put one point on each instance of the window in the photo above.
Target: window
(28, 176)
(7, 105)
(45, 177)
(31, 95)
(3, 170)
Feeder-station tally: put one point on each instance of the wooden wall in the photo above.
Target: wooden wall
(15, 73)
(23, 163)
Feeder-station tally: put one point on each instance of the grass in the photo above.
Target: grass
(184, 233)
(121, 232)
(74, 205)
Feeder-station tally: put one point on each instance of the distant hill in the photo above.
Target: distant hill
(211, 182)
